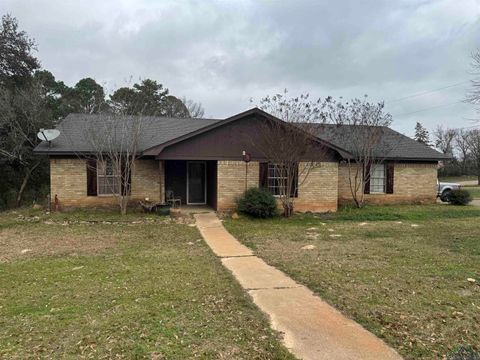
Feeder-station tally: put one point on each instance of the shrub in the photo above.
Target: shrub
(463, 353)
(258, 203)
(459, 197)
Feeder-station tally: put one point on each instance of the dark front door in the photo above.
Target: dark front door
(196, 182)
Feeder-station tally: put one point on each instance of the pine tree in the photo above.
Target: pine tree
(421, 134)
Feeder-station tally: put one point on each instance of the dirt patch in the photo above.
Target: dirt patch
(146, 220)
(24, 242)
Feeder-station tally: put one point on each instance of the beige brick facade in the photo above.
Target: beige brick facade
(344, 193)
(325, 186)
(231, 181)
(412, 183)
(416, 181)
(68, 180)
(317, 190)
(146, 180)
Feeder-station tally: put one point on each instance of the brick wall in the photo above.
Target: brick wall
(325, 185)
(318, 190)
(231, 181)
(416, 180)
(344, 193)
(68, 180)
(412, 183)
(146, 180)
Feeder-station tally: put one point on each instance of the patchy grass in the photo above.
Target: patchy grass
(387, 212)
(400, 271)
(121, 290)
(474, 191)
(458, 178)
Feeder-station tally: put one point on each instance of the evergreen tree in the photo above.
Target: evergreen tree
(16, 52)
(421, 134)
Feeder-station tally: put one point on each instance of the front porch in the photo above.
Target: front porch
(195, 209)
(194, 182)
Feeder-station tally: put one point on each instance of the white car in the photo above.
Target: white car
(444, 190)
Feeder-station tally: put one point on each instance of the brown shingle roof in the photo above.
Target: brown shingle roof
(392, 145)
(155, 130)
(161, 130)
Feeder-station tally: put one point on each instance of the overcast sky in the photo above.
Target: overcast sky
(222, 53)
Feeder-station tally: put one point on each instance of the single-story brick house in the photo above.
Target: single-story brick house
(201, 162)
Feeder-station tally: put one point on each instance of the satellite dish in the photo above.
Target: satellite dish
(48, 134)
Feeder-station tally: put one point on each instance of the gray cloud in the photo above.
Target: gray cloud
(223, 53)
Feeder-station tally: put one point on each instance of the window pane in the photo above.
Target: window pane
(276, 179)
(377, 178)
(101, 185)
(109, 168)
(108, 185)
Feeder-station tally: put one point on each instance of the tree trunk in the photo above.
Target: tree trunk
(358, 199)
(287, 209)
(29, 172)
(477, 170)
(123, 205)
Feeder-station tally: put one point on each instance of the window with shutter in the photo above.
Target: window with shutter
(91, 177)
(263, 180)
(366, 174)
(390, 176)
(377, 179)
(108, 182)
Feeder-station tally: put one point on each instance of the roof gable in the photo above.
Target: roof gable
(243, 115)
(230, 139)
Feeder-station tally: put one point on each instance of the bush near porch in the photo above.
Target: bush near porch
(404, 272)
(258, 203)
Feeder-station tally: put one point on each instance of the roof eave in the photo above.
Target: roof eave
(403, 158)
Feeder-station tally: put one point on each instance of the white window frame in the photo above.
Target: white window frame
(372, 177)
(270, 179)
(101, 173)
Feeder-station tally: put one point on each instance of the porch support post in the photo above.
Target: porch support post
(161, 165)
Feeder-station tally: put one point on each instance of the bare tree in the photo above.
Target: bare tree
(23, 111)
(473, 96)
(288, 145)
(114, 142)
(195, 109)
(363, 125)
(473, 140)
(444, 139)
(462, 144)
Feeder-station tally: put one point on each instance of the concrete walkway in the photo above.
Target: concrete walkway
(312, 329)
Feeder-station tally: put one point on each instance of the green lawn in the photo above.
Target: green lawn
(458, 178)
(474, 191)
(400, 271)
(134, 287)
